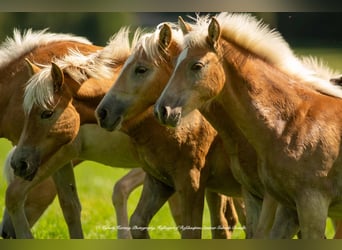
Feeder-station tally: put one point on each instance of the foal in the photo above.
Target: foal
(286, 111)
(40, 47)
(18, 189)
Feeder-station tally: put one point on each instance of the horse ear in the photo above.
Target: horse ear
(185, 27)
(165, 36)
(57, 77)
(337, 80)
(32, 68)
(214, 32)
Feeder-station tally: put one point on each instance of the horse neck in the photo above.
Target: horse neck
(232, 137)
(256, 96)
(87, 96)
(135, 126)
(13, 79)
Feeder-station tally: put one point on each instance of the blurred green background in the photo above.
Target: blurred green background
(298, 28)
(316, 34)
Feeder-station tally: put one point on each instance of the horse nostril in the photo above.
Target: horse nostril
(165, 111)
(23, 165)
(102, 114)
(19, 165)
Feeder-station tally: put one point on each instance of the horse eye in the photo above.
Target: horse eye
(46, 114)
(140, 70)
(197, 66)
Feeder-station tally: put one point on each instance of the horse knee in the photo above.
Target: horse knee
(14, 198)
(120, 194)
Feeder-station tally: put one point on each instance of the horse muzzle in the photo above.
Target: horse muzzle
(168, 116)
(25, 163)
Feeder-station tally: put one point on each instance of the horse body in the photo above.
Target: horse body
(294, 128)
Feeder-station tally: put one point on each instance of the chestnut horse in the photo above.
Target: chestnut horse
(286, 111)
(41, 47)
(56, 102)
(193, 156)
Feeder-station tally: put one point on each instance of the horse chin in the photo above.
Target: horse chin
(29, 176)
(173, 122)
(115, 125)
(26, 174)
(172, 117)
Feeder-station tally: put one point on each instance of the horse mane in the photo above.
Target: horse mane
(268, 44)
(148, 43)
(100, 64)
(22, 43)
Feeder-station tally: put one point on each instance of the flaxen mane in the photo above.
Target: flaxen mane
(20, 44)
(149, 43)
(39, 88)
(256, 37)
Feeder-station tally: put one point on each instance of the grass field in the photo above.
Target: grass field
(95, 183)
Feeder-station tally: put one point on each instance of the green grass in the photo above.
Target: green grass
(95, 183)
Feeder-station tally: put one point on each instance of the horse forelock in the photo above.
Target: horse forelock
(39, 90)
(22, 43)
(268, 44)
(148, 44)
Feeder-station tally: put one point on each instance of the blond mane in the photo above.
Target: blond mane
(148, 43)
(22, 43)
(39, 88)
(268, 44)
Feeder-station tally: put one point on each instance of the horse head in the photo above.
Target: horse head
(51, 120)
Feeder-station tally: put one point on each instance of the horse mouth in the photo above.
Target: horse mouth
(115, 125)
(27, 174)
(168, 116)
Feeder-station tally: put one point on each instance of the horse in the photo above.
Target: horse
(128, 107)
(278, 103)
(41, 47)
(62, 98)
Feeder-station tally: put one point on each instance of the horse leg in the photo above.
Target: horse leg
(240, 209)
(19, 188)
(121, 192)
(338, 229)
(68, 199)
(153, 197)
(266, 219)
(38, 199)
(15, 200)
(253, 209)
(285, 224)
(218, 206)
(192, 192)
(175, 208)
(312, 208)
